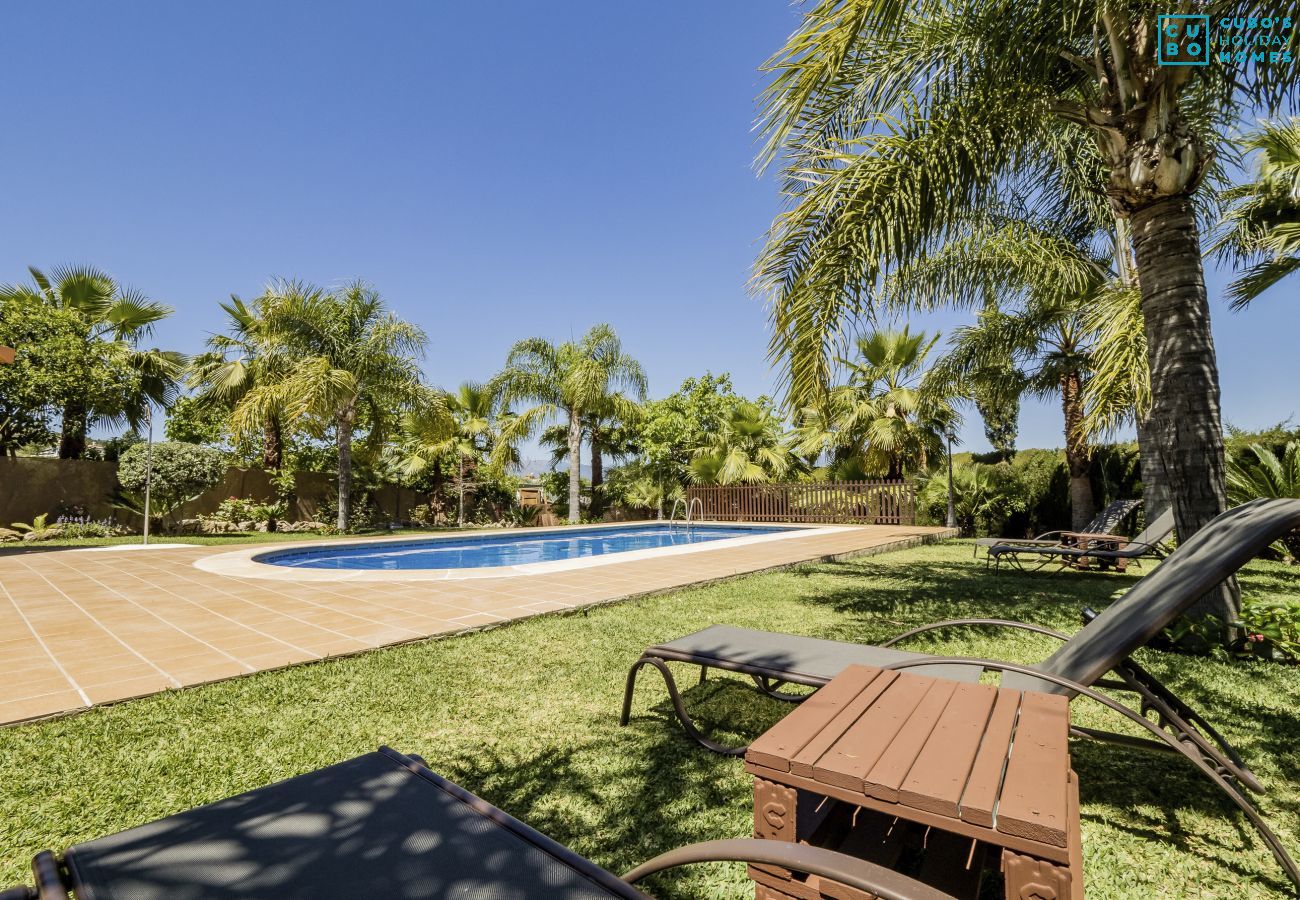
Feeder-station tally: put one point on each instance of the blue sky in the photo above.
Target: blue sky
(495, 170)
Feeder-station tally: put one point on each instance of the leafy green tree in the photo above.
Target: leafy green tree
(176, 473)
(1262, 223)
(751, 446)
(570, 381)
(110, 321)
(47, 370)
(341, 355)
(885, 420)
(999, 408)
(457, 424)
(249, 354)
(897, 122)
(669, 429)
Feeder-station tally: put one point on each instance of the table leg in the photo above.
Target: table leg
(775, 816)
(1028, 878)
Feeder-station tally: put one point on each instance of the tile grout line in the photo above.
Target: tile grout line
(281, 612)
(197, 605)
(88, 614)
(155, 615)
(40, 640)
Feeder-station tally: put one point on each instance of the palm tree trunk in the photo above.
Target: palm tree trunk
(346, 419)
(1078, 457)
(1185, 419)
(597, 473)
(575, 467)
(460, 485)
(72, 437)
(272, 444)
(1155, 484)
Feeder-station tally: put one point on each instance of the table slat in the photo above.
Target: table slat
(848, 761)
(980, 798)
(1025, 807)
(780, 743)
(938, 777)
(889, 772)
(832, 731)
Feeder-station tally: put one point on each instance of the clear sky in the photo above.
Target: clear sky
(496, 170)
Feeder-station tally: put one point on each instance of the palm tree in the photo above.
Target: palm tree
(605, 433)
(1045, 350)
(119, 317)
(1037, 282)
(897, 121)
(750, 447)
(1262, 226)
(247, 356)
(457, 423)
(884, 421)
(341, 353)
(570, 381)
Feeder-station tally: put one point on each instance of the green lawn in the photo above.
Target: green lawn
(526, 716)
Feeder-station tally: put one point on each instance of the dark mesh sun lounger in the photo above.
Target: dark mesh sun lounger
(1148, 543)
(1102, 647)
(381, 825)
(1105, 522)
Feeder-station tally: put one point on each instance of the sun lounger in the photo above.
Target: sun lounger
(383, 825)
(1105, 522)
(1077, 548)
(1097, 656)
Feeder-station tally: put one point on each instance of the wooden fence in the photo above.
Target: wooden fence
(846, 502)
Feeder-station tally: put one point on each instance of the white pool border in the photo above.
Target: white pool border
(243, 564)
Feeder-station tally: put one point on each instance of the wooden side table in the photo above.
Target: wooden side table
(932, 774)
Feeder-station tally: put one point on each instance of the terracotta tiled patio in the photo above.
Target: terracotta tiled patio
(81, 628)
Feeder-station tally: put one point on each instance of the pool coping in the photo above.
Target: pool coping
(244, 564)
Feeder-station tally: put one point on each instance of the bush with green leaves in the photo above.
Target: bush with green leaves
(180, 472)
(1257, 471)
(235, 509)
(1272, 624)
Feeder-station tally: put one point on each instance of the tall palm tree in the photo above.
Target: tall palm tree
(1262, 225)
(569, 381)
(342, 352)
(1036, 282)
(119, 317)
(247, 355)
(895, 121)
(1044, 349)
(606, 433)
(884, 420)
(457, 424)
(750, 447)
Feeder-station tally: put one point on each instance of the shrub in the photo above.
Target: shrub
(235, 510)
(429, 515)
(180, 473)
(1256, 471)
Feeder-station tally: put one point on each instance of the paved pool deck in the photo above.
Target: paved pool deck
(80, 628)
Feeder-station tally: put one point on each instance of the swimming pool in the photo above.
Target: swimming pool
(506, 549)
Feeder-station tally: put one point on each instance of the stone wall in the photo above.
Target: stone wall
(30, 486)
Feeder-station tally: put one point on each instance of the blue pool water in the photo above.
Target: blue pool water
(506, 549)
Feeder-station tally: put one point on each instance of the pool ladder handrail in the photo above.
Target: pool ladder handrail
(690, 508)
